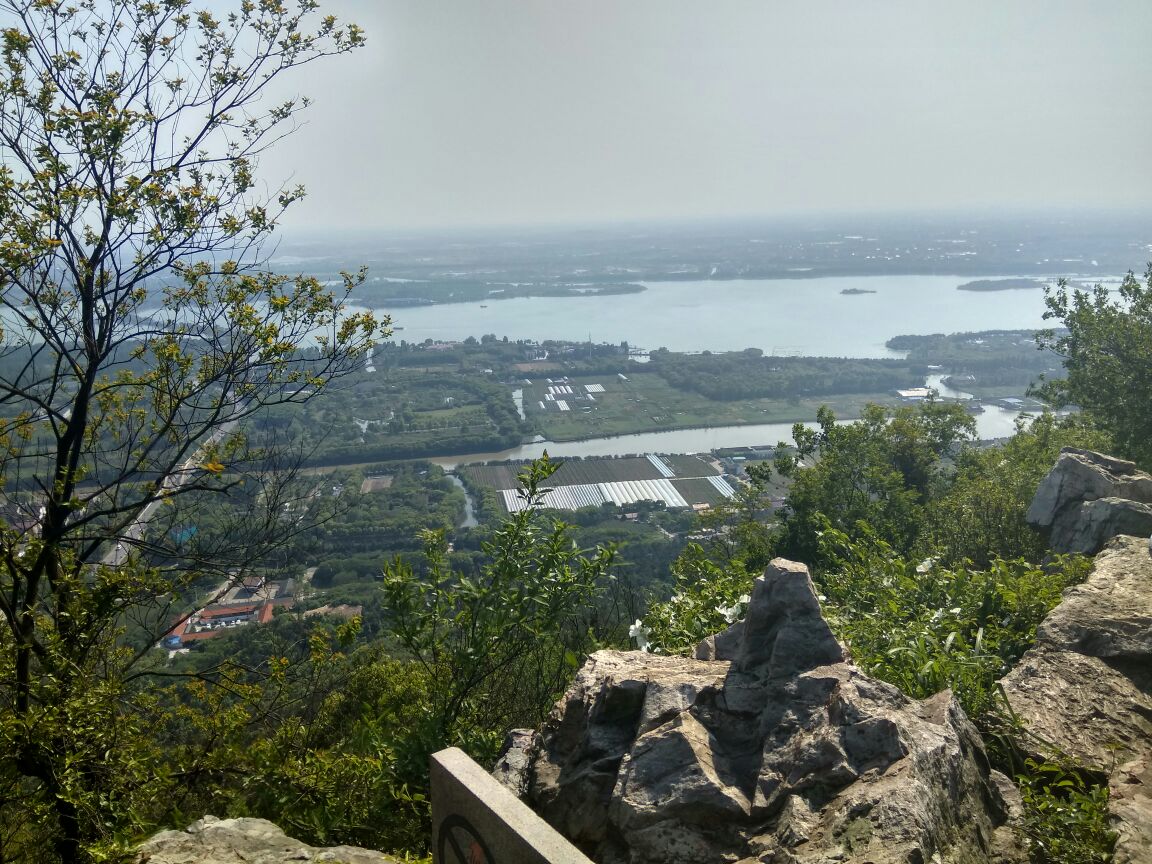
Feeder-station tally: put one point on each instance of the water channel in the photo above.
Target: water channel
(470, 520)
(994, 422)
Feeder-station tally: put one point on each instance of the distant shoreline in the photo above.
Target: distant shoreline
(1011, 284)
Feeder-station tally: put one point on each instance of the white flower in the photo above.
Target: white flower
(732, 613)
(926, 565)
(729, 613)
(640, 633)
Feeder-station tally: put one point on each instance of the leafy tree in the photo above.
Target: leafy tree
(138, 330)
(881, 469)
(980, 516)
(496, 645)
(1107, 351)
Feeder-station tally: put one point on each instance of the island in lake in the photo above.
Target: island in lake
(1000, 284)
(857, 291)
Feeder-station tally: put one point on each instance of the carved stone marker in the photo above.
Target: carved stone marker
(475, 820)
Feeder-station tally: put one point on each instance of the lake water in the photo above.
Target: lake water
(781, 316)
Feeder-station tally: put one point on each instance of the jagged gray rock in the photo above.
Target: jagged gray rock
(1088, 498)
(245, 841)
(1086, 687)
(774, 748)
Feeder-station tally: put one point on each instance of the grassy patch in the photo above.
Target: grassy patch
(646, 403)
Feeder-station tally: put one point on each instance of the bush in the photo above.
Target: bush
(925, 627)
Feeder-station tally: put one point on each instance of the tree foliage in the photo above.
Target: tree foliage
(1107, 351)
(498, 644)
(980, 515)
(138, 330)
(881, 469)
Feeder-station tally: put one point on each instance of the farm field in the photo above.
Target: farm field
(376, 483)
(678, 481)
(583, 471)
(700, 491)
(647, 402)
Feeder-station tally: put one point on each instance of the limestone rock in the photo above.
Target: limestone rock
(244, 841)
(1086, 686)
(513, 767)
(1088, 498)
(773, 748)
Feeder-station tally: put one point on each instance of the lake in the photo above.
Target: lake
(779, 316)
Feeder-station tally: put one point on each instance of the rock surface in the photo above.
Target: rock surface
(1086, 686)
(773, 748)
(1088, 498)
(244, 841)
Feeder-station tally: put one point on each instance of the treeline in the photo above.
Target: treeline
(992, 357)
(411, 293)
(402, 416)
(750, 375)
(368, 524)
(500, 355)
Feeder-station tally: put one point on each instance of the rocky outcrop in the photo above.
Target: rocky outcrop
(773, 747)
(244, 841)
(1086, 687)
(1088, 498)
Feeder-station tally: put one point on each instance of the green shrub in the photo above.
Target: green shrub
(1065, 814)
(925, 627)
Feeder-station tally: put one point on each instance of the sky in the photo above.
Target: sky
(520, 112)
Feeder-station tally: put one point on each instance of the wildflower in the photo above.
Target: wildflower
(640, 633)
(733, 612)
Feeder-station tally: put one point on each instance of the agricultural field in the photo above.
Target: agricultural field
(575, 472)
(678, 481)
(646, 402)
(376, 483)
(703, 490)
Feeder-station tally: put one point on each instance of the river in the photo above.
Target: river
(782, 316)
(995, 422)
(469, 510)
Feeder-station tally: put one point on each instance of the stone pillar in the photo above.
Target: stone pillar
(476, 820)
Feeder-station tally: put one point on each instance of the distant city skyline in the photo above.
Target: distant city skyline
(520, 112)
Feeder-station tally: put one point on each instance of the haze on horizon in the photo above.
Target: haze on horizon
(481, 112)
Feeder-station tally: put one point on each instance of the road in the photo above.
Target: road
(119, 553)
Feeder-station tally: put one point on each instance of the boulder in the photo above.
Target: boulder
(1086, 686)
(1088, 498)
(244, 841)
(772, 748)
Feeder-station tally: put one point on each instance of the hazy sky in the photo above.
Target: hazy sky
(525, 111)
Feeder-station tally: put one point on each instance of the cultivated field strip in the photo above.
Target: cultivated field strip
(559, 498)
(699, 490)
(661, 466)
(631, 491)
(593, 495)
(678, 481)
(722, 486)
